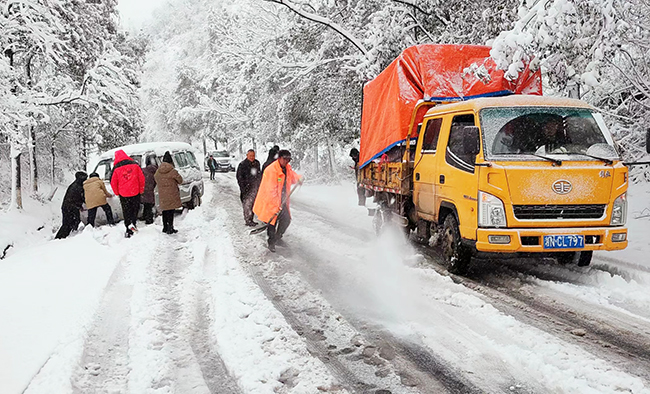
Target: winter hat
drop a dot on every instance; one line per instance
(80, 176)
(167, 158)
(284, 153)
(93, 175)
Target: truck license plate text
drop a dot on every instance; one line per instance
(564, 241)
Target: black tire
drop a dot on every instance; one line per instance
(585, 258)
(195, 201)
(456, 255)
(380, 219)
(565, 258)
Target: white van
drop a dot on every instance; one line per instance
(184, 161)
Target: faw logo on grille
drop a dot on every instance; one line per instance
(562, 187)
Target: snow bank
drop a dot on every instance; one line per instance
(54, 290)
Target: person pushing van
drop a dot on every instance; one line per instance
(127, 182)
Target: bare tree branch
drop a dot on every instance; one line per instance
(324, 21)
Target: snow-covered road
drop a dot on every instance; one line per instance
(211, 310)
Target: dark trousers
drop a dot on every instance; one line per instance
(361, 194)
(212, 174)
(130, 208)
(71, 220)
(92, 213)
(247, 202)
(168, 220)
(147, 212)
(277, 231)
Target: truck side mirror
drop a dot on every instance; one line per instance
(471, 140)
(647, 141)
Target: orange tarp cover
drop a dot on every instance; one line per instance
(432, 73)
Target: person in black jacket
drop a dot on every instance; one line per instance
(148, 198)
(212, 166)
(72, 205)
(273, 156)
(361, 192)
(249, 177)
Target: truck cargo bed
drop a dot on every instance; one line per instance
(387, 177)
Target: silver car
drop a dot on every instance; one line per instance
(184, 160)
(223, 159)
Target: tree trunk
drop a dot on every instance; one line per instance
(205, 148)
(33, 173)
(316, 157)
(84, 151)
(32, 159)
(16, 191)
(329, 155)
(53, 164)
(573, 89)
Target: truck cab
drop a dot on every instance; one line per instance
(518, 174)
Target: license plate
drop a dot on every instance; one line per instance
(564, 241)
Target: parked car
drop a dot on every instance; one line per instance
(223, 158)
(184, 160)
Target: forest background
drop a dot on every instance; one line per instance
(240, 74)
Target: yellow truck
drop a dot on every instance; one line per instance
(508, 173)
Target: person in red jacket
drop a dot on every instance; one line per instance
(127, 181)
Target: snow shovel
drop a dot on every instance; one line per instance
(263, 227)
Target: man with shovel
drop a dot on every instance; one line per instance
(272, 202)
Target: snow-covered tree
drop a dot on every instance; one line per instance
(597, 49)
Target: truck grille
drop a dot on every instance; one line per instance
(561, 212)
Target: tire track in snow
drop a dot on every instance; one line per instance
(413, 365)
(104, 364)
(212, 365)
(627, 348)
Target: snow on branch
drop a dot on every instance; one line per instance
(412, 3)
(325, 21)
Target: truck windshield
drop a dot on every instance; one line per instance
(521, 133)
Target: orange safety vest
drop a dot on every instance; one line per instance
(269, 195)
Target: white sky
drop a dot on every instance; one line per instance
(134, 13)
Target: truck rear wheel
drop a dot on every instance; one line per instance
(381, 218)
(456, 255)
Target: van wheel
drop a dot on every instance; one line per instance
(457, 256)
(585, 258)
(195, 201)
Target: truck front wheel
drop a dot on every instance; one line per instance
(583, 258)
(456, 255)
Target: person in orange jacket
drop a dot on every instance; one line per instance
(272, 201)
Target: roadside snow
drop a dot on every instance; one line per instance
(49, 294)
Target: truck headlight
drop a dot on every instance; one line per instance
(491, 212)
(619, 211)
